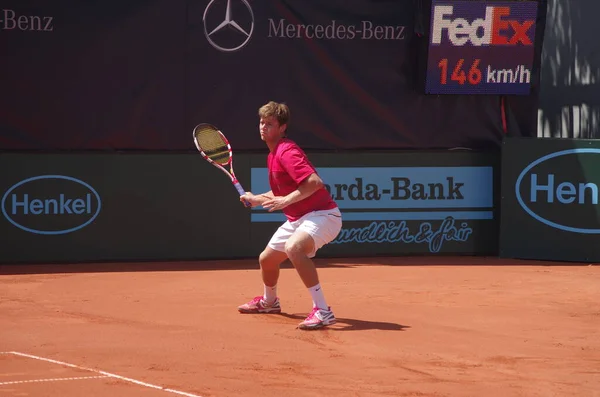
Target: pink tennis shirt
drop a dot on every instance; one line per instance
(288, 167)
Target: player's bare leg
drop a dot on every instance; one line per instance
(298, 248)
(269, 261)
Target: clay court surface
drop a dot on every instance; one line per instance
(406, 327)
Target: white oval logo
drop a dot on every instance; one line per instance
(51, 204)
(576, 193)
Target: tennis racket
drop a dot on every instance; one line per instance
(215, 149)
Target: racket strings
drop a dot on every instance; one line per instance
(213, 145)
(220, 157)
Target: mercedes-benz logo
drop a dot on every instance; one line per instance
(234, 31)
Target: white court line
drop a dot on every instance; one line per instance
(51, 380)
(108, 374)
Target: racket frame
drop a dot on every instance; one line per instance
(230, 173)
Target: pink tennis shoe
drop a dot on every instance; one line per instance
(318, 318)
(259, 305)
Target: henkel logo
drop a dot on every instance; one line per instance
(51, 204)
(496, 28)
(557, 191)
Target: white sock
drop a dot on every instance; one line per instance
(318, 298)
(270, 293)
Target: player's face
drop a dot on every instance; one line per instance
(270, 129)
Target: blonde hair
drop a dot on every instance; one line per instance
(280, 111)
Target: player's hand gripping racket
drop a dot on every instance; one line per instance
(215, 148)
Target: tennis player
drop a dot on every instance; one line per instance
(313, 218)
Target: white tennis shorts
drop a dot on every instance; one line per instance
(323, 226)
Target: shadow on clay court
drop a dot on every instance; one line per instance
(348, 324)
(252, 264)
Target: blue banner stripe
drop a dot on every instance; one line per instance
(390, 216)
(401, 187)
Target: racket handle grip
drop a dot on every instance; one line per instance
(241, 191)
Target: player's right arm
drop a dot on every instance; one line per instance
(259, 199)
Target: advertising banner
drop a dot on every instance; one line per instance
(550, 199)
(118, 207)
(401, 204)
(481, 47)
(140, 75)
(141, 207)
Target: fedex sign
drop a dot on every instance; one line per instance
(498, 27)
(482, 47)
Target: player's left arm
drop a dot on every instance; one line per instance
(307, 187)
